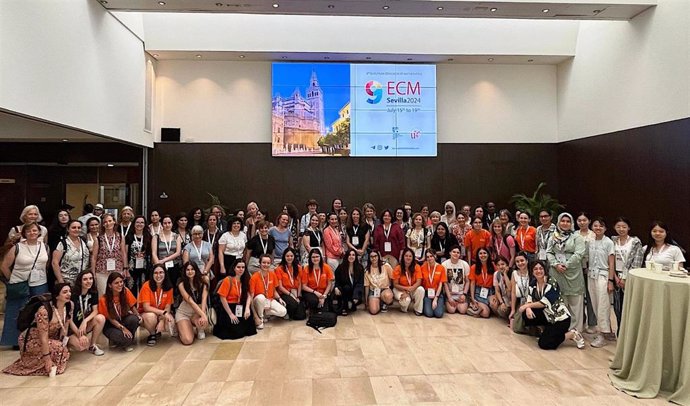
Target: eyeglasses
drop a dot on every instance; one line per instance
(543, 216)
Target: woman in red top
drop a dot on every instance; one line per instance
(526, 236)
(475, 239)
(119, 306)
(389, 240)
(155, 301)
(433, 278)
(502, 244)
(317, 282)
(481, 284)
(290, 285)
(234, 312)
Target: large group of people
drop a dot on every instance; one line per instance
(204, 270)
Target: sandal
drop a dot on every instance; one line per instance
(151, 341)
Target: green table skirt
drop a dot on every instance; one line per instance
(653, 352)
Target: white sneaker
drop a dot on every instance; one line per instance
(579, 340)
(599, 341)
(260, 326)
(96, 351)
(201, 334)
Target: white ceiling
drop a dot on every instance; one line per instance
(555, 9)
(17, 128)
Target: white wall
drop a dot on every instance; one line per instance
(627, 74)
(72, 63)
(222, 101)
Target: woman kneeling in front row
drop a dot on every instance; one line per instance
(433, 279)
(263, 288)
(377, 284)
(155, 301)
(545, 308)
(119, 306)
(234, 315)
(192, 311)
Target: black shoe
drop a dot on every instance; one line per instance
(151, 341)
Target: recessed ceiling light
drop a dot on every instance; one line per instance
(242, 56)
(110, 165)
(276, 5)
(530, 60)
(198, 56)
(491, 59)
(493, 9)
(386, 7)
(439, 8)
(331, 6)
(65, 140)
(161, 3)
(546, 10)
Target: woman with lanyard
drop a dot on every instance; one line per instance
(565, 253)
(501, 301)
(71, 255)
(358, 234)
(508, 226)
(389, 240)
(519, 286)
(119, 306)
(502, 244)
(433, 278)
(263, 290)
(282, 236)
(481, 284)
(441, 241)
(109, 253)
(317, 282)
(260, 244)
(192, 310)
(155, 226)
(312, 239)
(407, 283)
(434, 220)
(459, 229)
(293, 224)
(661, 249)
(475, 239)
(343, 217)
(43, 349)
(212, 235)
(629, 255)
(234, 313)
(544, 232)
(166, 249)
(155, 305)
(349, 283)
(526, 236)
(457, 284)
(583, 222)
(312, 205)
(377, 284)
(139, 252)
(199, 252)
(418, 237)
(544, 307)
(182, 229)
(24, 266)
(289, 285)
(401, 220)
(332, 241)
(126, 216)
(85, 315)
(370, 220)
(231, 245)
(93, 229)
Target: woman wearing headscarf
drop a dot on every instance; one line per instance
(565, 252)
(449, 214)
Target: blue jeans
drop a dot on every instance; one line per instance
(10, 333)
(440, 308)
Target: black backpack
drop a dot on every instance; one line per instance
(25, 320)
(319, 321)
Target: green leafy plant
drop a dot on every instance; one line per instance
(215, 201)
(537, 202)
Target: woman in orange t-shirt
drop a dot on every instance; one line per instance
(119, 306)
(475, 239)
(317, 282)
(155, 301)
(234, 312)
(289, 284)
(526, 236)
(481, 285)
(433, 278)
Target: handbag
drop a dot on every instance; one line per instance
(319, 321)
(518, 323)
(18, 290)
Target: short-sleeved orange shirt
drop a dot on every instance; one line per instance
(289, 281)
(311, 278)
(103, 306)
(476, 240)
(231, 290)
(432, 278)
(527, 239)
(260, 286)
(483, 280)
(404, 279)
(147, 296)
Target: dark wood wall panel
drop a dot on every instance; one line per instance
(641, 173)
(239, 173)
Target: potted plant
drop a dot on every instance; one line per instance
(537, 202)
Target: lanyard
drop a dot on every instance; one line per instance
(442, 245)
(522, 283)
(109, 245)
(317, 279)
(63, 320)
(140, 243)
(239, 288)
(168, 244)
(543, 236)
(198, 250)
(266, 283)
(349, 273)
(523, 233)
(292, 279)
(317, 236)
(84, 303)
(409, 280)
(622, 252)
(541, 292)
(499, 247)
(209, 239)
(122, 229)
(355, 229)
(659, 252)
(431, 274)
(159, 298)
(484, 275)
(264, 246)
(117, 310)
(387, 232)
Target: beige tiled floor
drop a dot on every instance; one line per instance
(391, 358)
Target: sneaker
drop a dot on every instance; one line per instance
(599, 341)
(129, 349)
(260, 326)
(151, 341)
(579, 340)
(384, 307)
(201, 334)
(96, 351)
